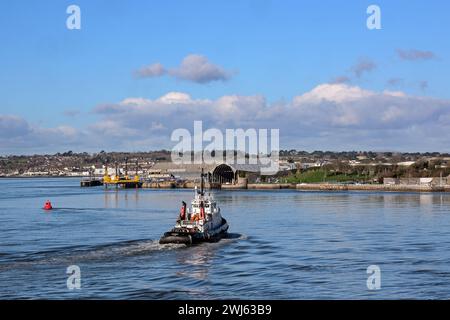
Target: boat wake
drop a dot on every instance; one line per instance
(235, 236)
(85, 254)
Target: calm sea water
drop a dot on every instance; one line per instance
(283, 244)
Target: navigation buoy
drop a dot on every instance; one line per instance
(48, 205)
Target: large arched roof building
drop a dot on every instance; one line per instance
(217, 173)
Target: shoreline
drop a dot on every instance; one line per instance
(41, 177)
(278, 186)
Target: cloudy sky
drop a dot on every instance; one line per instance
(137, 70)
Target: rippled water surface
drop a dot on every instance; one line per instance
(283, 244)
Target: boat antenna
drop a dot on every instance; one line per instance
(202, 183)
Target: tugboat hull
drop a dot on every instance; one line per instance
(175, 238)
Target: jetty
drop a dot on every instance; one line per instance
(91, 182)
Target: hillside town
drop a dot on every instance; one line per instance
(294, 166)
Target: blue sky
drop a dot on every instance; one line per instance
(52, 77)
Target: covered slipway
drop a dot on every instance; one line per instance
(227, 173)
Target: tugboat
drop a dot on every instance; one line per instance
(200, 223)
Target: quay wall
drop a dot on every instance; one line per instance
(305, 187)
(373, 187)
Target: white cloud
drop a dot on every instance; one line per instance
(356, 108)
(17, 135)
(194, 67)
(330, 116)
(198, 69)
(13, 126)
(153, 70)
(339, 93)
(356, 116)
(175, 97)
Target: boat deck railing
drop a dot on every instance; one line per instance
(188, 223)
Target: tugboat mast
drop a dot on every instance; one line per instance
(202, 184)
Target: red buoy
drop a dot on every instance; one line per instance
(48, 205)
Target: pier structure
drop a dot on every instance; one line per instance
(91, 181)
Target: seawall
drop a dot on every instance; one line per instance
(373, 187)
(302, 186)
